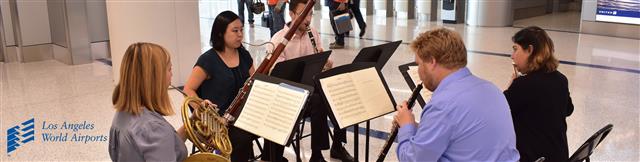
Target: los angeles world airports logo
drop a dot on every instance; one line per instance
(20, 134)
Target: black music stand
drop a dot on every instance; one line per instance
(379, 55)
(301, 70)
(404, 69)
(346, 69)
(272, 79)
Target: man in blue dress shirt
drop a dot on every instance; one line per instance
(467, 119)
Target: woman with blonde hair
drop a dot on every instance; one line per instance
(539, 98)
(138, 131)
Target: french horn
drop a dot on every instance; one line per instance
(206, 130)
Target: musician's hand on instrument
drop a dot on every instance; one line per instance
(404, 115)
(225, 122)
(207, 104)
(328, 65)
(515, 71)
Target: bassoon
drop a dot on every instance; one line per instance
(235, 107)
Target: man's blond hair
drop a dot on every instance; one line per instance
(443, 45)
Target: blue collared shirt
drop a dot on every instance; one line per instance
(467, 119)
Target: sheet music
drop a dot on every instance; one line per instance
(357, 96)
(415, 77)
(271, 110)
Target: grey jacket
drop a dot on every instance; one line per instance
(146, 137)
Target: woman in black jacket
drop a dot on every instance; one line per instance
(538, 97)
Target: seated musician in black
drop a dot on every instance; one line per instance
(539, 100)
(301, 45)
(220, 72)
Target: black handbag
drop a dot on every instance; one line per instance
(257, 7)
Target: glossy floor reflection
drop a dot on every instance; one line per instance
(560, 21)
(603, 73)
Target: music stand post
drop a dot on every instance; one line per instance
(301, 70)
(380, 55)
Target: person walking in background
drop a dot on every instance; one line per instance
(338, 7)
(241, 4)
(276, 11)
(354, 5)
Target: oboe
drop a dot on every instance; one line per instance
(394, 131)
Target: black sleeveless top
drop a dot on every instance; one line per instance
(223, 82)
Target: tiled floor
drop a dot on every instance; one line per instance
(603, 72)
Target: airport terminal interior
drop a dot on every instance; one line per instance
(60, 62)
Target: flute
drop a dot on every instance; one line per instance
(515, 69)
(394, 131)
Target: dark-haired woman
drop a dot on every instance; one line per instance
(539, 99)
(220, 72)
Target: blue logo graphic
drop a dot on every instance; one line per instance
(20, 135)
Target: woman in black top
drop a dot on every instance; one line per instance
(220, 72)
(539, 98)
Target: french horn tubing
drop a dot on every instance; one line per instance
(205, 129)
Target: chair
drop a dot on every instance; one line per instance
(584, 151)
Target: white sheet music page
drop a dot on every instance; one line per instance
(271, 110)
(357, 96)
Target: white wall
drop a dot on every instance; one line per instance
(423, 6)
(589, 10)
(401, 5)
(97, 13)
(589, 24)
(34, 22)
(8, 24)
(172, 24)
(380, 4)
(58, 23)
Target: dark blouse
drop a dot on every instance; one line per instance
(539, 104)
(223, 82)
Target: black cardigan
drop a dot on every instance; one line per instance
(539, 104)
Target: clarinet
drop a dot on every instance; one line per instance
(394, 131)
(313, 40)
